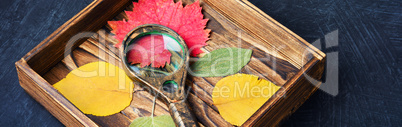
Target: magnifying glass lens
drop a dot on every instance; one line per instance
(158, 57)
(154, 54)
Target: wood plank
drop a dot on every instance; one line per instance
(205, 114)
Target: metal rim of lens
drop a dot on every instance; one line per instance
(136, 77)
(156, 29)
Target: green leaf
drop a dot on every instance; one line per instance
(221, 62)
(157, 121)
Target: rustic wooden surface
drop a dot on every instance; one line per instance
(289, 57)
(278, 55)
(348, 108)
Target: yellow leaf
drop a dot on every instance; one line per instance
(97, 88)
(239, 96)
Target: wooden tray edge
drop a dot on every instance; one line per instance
(313, 49)
(49, 97)
(285, 106)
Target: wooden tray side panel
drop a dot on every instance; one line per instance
(56, 104)
(297, 91)
(273, 36)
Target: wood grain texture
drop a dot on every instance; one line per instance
(279, 56)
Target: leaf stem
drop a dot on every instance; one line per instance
(153, 107)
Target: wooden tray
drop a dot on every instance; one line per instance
(279, 56)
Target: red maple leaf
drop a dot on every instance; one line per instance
(149, 50)
(187, 21)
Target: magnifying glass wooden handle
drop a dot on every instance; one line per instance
(182, 114)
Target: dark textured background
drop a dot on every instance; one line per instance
(370, 92)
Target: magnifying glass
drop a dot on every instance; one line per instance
(158, 57)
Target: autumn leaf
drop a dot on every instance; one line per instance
(187, 21)
(221, 62)
(239, 96)
(158, 121)
(149, 50)
(97, 88)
